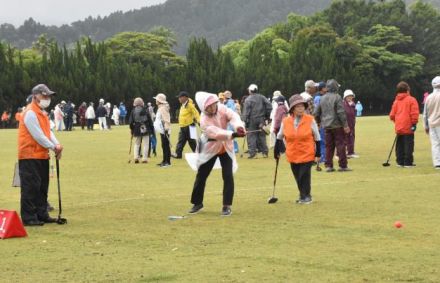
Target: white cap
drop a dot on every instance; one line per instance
(276, 93)
(101, 100)
(63, 102)
(436, 82)
(161, 98)
(310, 83)
(348, 92)
(253, 88)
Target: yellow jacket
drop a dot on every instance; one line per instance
(188, 114)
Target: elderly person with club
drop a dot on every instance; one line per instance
(301, 135)
(162, 125)
(216, 142)
(141, 126)
(431, 115)
(35, 139)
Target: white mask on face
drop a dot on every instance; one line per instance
(44, 103)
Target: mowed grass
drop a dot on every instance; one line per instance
(118, 229)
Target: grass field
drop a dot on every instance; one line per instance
(118, 229)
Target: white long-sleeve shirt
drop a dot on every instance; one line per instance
(34, 128)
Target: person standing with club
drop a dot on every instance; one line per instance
(35, 139)
(216, 142)
(301, 135)
(188, 116)
(162, 125)
(405, 115)
(431, 115)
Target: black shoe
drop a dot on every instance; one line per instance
(252, 156)
(50, 220)
(226, 211)
(196, 208)
(344, 169)
(33, 223)
(306, 200)
(164, 165)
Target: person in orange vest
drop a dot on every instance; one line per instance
(35, 139)
(5, 119)
(18, 116)
(302, 145)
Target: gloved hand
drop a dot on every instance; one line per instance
(414, 127)
(239, 133)
(278, 149)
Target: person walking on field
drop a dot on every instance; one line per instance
(115, 115)
(59, 116)
(188, 116)
(301, 134)
(431, 115)
(141, 126)
(322, 90)
(330, 114)
(216, 142)
(82, 115)
(101, 113)
(405, 115)
(256, 113)
(35, 139)
(162, 125)
(359, 109)
(122, 113)
(350, 112)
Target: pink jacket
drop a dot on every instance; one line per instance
(214, 127)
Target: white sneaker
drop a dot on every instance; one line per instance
(353, 156)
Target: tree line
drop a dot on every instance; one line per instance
(367, 46)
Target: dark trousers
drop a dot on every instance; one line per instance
(335, 139)
(166, 151)
(184, 136)
(82, 121)
(203, 173)
(349, 141)
(68, 121)
(405, 149)
(257, 143)
(34, 179)
(303, 175)
(90, 124)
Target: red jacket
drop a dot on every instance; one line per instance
(404, 113)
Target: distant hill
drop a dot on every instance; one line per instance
(219, 21)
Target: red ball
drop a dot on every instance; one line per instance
(397, 224)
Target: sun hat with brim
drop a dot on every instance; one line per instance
(161, 98)
(295, 100)
(42, 89)
(348, 92)
(436, 82)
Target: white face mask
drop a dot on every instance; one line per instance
(44, 103)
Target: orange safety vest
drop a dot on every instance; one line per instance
(300, 143)
(28, 148)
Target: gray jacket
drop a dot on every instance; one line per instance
(330, 113)
(256, 110)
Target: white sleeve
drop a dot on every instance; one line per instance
(34, 128)
(315, 131)
(280, 135)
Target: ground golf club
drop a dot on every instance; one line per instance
(387, 163)
(60, 220)
(274, 199)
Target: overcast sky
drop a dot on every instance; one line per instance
(57, 12)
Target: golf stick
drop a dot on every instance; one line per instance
(129, 151)
(60, 220)
(273, 199)
(387, 163)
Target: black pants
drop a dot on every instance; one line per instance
(166, 151)
(302, 173)
(34, 178)
(90, 124)
(405, 149)
(184, 136)
(202, 176)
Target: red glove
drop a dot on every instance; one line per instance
(239, 133)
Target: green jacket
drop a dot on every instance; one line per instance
(188, 114)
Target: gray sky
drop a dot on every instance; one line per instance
(57, 12)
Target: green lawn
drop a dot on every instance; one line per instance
(118, 228)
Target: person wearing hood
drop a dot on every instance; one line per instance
(188, 116)
(350, 112)
(330, 114)
(141, 126)
(216, 142)
(256, 114)
(301, 135)
(405, 115)
(35, 139)
(162, 125)
(359, 109)
(431, 116)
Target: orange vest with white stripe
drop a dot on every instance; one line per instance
(300, 143)
(28, 148)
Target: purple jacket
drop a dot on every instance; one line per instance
(350, 111)
(280, 113)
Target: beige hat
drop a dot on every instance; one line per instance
(138, 102)
(295, 100)
(161, 98)
(276, 93)
(228, 94)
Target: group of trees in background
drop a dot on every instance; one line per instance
(367, 46)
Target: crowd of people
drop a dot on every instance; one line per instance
(308, 127)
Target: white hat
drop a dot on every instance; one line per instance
(63, 102)
(276, 93)
(253, 88)
(348, 92)
(310, 83)
(161, 98)
(436, 82)
(101, 100)
(228, 94)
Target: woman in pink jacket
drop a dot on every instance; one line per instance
(216, 142)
